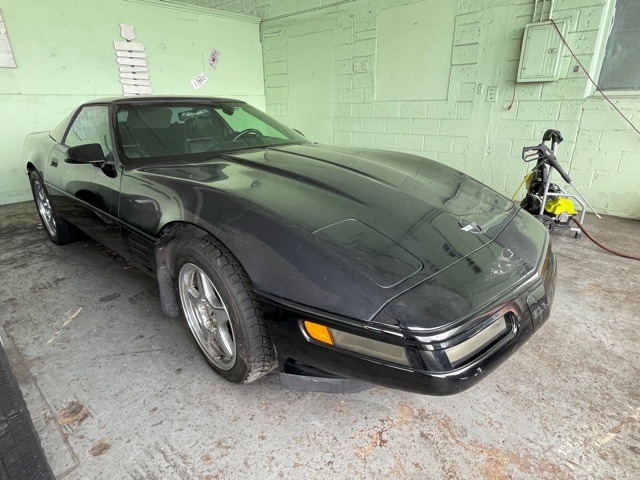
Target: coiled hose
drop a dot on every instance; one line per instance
(604, 247)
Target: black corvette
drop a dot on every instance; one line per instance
(325, 262)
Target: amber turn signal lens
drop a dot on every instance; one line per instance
(318, 332)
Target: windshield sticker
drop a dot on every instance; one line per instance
(468, 226)
(201, 113)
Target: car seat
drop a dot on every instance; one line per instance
(203, 134)
(148, 128)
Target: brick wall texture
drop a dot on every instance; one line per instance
(482, 138)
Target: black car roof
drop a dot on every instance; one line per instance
(159, 99)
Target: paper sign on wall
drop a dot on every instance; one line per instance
(199, 81)
(6, 54)
(213, 58)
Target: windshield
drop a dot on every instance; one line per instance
(193, 128)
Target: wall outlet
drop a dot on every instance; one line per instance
(357, 66)
(492, 94)
(365, 65)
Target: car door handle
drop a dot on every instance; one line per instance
(54, 162)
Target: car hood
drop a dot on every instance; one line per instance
(384, 219)
(390, 215)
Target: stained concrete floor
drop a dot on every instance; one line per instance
(116, 389)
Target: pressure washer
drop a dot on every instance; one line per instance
(549, 202)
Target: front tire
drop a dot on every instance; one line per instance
(58, 229)
(222, 312)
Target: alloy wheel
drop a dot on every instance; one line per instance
(45, 209)
(207, 316)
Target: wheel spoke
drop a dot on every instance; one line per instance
(213, 343)
(225, 341)
(222, 318)
(208, 291)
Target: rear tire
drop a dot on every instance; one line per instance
(58, 229)
(221, 309)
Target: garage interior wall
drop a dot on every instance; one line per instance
(65, 56)
(465, 130)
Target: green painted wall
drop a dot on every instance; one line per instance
(64, 53)
(466, 131)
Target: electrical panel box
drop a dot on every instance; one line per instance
(541, 54)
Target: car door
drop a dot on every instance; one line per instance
(87, 194)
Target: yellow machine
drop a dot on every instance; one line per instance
(560, 207)
(548, 202)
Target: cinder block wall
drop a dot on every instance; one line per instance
(466, 131)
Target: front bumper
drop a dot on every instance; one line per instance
(527, 311)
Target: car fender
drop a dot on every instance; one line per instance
(36, 151)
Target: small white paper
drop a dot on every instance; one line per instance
(199, 81)
(213, 58)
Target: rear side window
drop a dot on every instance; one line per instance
(91, 126)
(58, 133)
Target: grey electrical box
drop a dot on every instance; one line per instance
(541, 53)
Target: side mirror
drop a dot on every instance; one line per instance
(89, 153)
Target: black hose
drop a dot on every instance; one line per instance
(590, 237)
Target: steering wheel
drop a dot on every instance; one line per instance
(248, 131)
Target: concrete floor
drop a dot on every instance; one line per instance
(118, 390)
